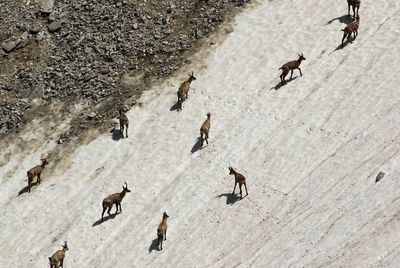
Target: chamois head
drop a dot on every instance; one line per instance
(231, 171)
(65, 247)
(165, 215)
(208, 115)
(121, 110)
(125, 188)
(301, 57)
(44, 161)
(191, 77)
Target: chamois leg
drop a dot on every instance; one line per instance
(109, 210)
(121, 129)
(234, 188)
(29, 184)
(62, 263)
(354, 11)
(206, 134)
(349, 38)
(38, 178)
(116, 210)
(301, 74)
(102, 214)
(126, 130)
(283, 75)
(240, 188)
(246, 189)
(291, 73)
(165, 235)
(160, 240)
(348, 9)
(344, 36)
(179, 104)
(355, 34)
(120, 208)
(177, 94)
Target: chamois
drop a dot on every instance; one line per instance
(57, 259)
(205, 128)
(116, 199)
(290, 66)
(36, 171)
(123, 121)
(162, 230)
(355, 4)
(183, 90)
(239, 178)
(350, 29)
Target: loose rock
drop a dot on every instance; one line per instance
(11, 43)
(380, 175)
(34, 28)
(47, 6)
(54, 26)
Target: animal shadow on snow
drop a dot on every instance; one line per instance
(197, 146)
(106, 218)
(154, 245)
(280, 84)
(230, 198)
(345, 43)
(26, 188)
(176, 107)
(116, 134)
(346, 19)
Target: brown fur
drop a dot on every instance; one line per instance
(355, 4)
(183, 90)
(36, 172)
(239, 179)
(205, 128)
(162, 230)
(123, 121)
(116, 199)
(290, 66)
(57, 259)
(352, 28)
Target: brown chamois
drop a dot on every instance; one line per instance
(36, 171)
(123, 121)
(205, 128)
(290, 66)
(116, 199)
(57, 259)
(239, 178)
(162, 230)
(350, 29)
(355, 4)
(183, 90)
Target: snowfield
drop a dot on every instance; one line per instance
(310, 151)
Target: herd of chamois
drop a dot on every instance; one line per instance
(57, 259)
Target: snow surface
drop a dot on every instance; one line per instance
(310, 151)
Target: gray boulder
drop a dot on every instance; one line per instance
(54, 26)
(47, 6)
(11, 43)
